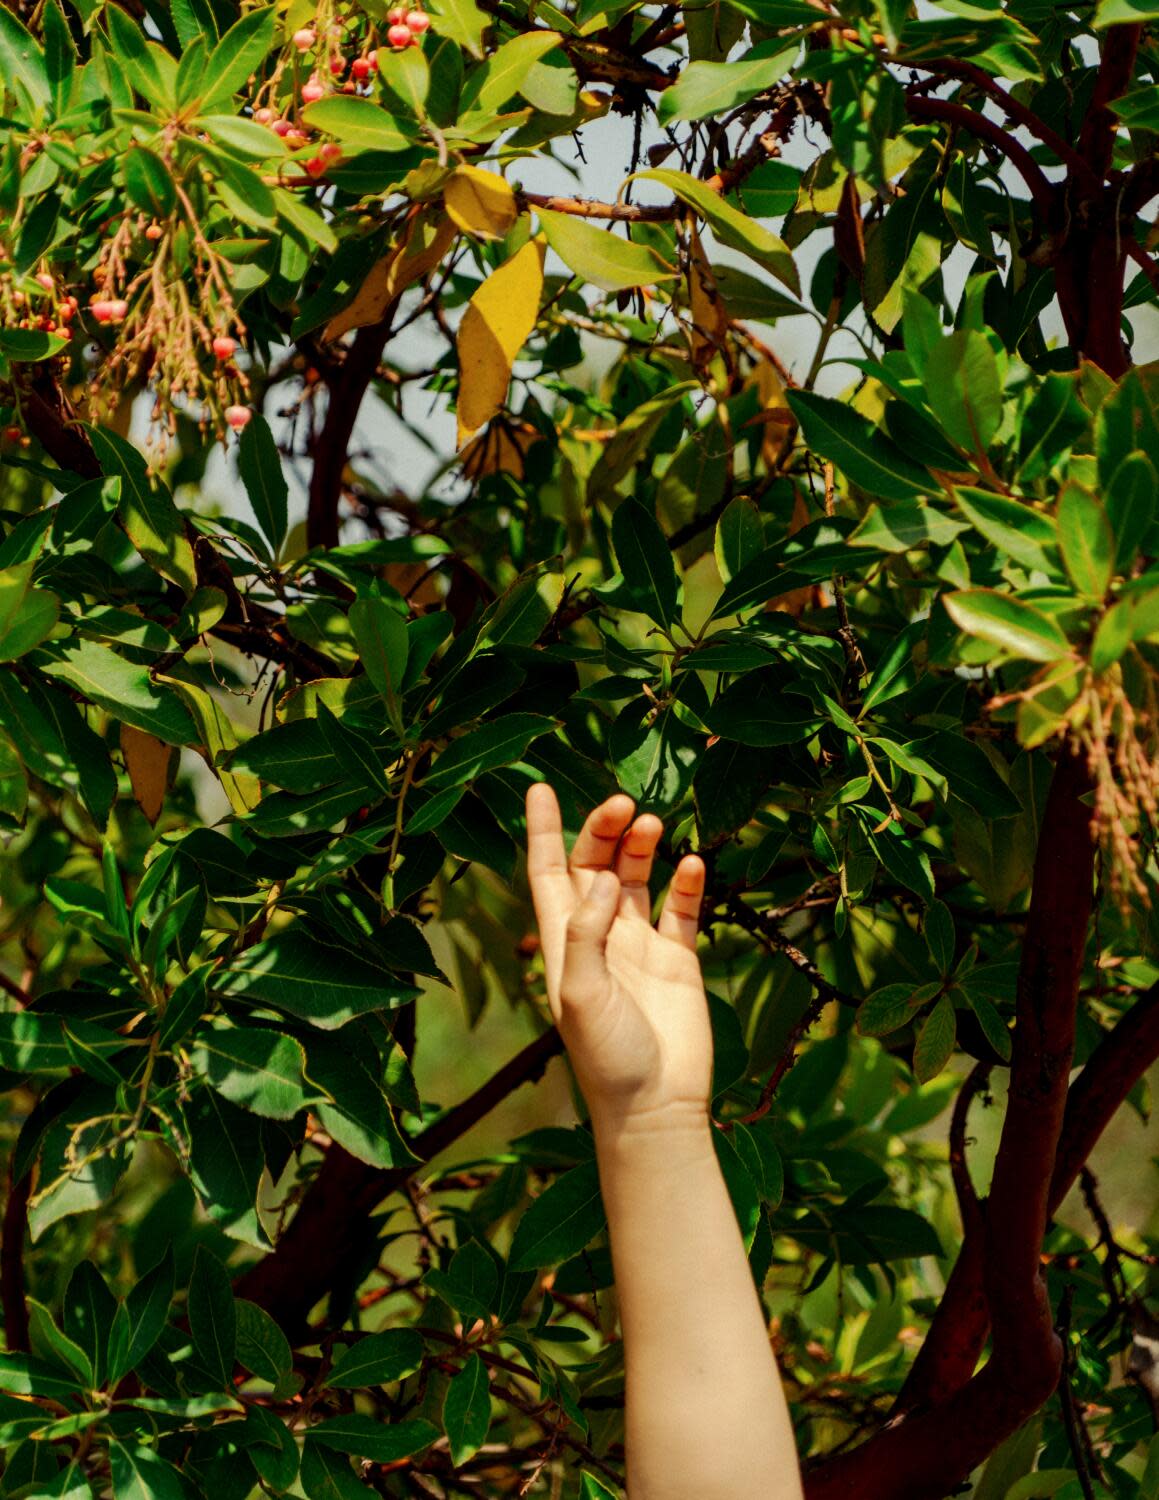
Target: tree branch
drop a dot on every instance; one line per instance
(12, 1261)
(924, 1453)
(996, 135)
(1100, 125)
(326, 1244)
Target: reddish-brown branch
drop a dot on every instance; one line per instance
(998, 136)
(968, 1206)
(926, 1452)
(1014, 110)
(1116, 69)
(329, 1237)
(590, 208)
(12, 1262)
(1145, 263)
(347, 390)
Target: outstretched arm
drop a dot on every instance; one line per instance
(705, 1414)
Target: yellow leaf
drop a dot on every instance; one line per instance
(147, 761)
(424, 243)
(481, 203)
(217, 735)
(496, 323)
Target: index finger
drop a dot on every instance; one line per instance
(546, 854)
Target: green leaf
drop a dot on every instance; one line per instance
(359, 124)
(153, 523)
(996, 1031)
(758, 710)
(903, 525)
(859, 450)
(601, 256)
(460, 21)
(1020, 531)
(212, 1317)
(140, 1473)
(470, 1284)
(262, 1347)
(357, 1112)
(488, 88)
(381, 635)
(258, 1069)
(328, 1476)
(377, 1359)
(1008, 622)
(126, 691)
(146, 1311)
(1125, 12)
(226, 1162)
(646, 561)
(148, 183)
(319, 983)
(893, 1006)
(51, 1343)
(1086, 540)
(561, 1221)
(89, 1310)
(592, 1488)
(367, 1437)
(709, 88)
(467, 1410)
(260, 466)
(731, 227)
(241, 51)
(21, 60)
(963, 387)
(941, 939)
(500, 742)
(1130, 499)
(935, 1040)
(740, 537)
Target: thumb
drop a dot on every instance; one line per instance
(585, 971)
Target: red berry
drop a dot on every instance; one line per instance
(65, 313)
(281, 127)
(313, 89)
(238, 416)
(315, 166)
(349, 87)
(13, 434)
(400, 36)
(397, 16)
(337, 66)
(330, 151)
(360, 67)
(305, 38)
(417, 22)
(223, 346)
(109, 309)
(154, 232)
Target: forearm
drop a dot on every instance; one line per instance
(705, 1414)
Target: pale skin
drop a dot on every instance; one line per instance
(705, 1413)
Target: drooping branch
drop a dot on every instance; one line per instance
(327, 1242)
(926, 1452)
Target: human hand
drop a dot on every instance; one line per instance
(628, 997)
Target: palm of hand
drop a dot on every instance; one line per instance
(629, 997)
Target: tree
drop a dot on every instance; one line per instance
(886, 657)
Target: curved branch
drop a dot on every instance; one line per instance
(968, 1205)
(12, 1262)
(1041, 191)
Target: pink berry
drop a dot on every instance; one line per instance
(223, 346)
(109, 309)
(281, 127)
(397, 16)
(238, 416)
(45, 280)
(330, 151)
(417, 22)
(360, 67)
(264, 116)
(400, 36)
(305, 38)
(337, 66)
(313, 90)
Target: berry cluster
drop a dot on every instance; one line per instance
(406, 26)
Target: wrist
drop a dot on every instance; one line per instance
(663, 1127)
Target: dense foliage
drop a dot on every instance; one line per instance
(883, 652)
